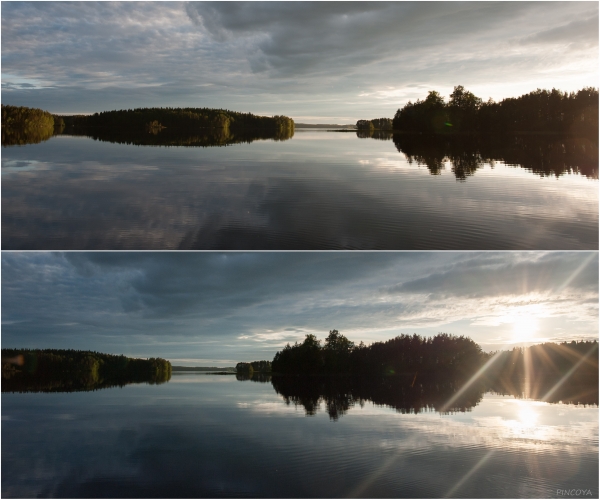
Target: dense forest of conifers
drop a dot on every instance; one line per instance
(188, 119)
(146, 126)
(443, 356)
(541, 111)
(413, 374)
(64, 370)
(253, 367)
(548, 360)
(375, 124)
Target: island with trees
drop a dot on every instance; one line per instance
(146, 126)
(444, 373)
(548, 132)
(540, 111)
(179, 126)
(446, 356)
(69, 370)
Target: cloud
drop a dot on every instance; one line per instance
(579, 32)
(261, 56)
(546, 273)
(332, 39)
(238, 305)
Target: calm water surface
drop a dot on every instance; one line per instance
(213, 436)
(318, 190)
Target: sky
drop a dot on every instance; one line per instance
(319, 62)
(217, 309)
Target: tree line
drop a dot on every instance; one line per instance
(446, 356)
(540, 111)
(253, 367)
(548, 360)
(375, 124)
(443, 354)
(152, 120)
(202, 127)
(22, 125)
(63, 370)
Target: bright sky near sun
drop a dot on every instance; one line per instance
(221, 308)
(316, 62)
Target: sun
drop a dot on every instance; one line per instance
(524, 328)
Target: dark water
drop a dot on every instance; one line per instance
(318, 190)
(214, 436)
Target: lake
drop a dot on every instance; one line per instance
(214, 436)
(318, 190)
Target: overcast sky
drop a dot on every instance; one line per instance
(316, 62)
(221, 308)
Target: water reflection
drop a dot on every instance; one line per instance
(382, 135)
(407, 395)
(22, 136)
(217, 437)
(200, 137)
(544, 155)
(317, 191)
(261, 378)
(151, 137)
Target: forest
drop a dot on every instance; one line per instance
(375, 124)
(154, 120)
(540, 111)
(544, 364)
(443, 356)
(68, 370)
(253, 367)
(22, 125)
(412, 374)
(197, 127)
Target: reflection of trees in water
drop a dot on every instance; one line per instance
(61, 370)
(550, 390)
(22, 125)
(566, 372)
(22, 136)
(151, 137)
(262, 378)
(199, 137)
(382, 135)
(545, 155)
(405, 394)
(409, 395)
